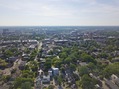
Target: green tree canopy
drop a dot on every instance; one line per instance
(26, 85)
(19, 81)
(83, 70)
(87, 58)
(111, 69)
(87, 82)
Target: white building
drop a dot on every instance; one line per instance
(55, 71)
(50, 73)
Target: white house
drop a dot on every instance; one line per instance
(50, 72)
(55, 71)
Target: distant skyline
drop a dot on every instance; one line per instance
(59, 12)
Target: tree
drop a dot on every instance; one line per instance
(87, 58)
(63, 55)
(111, 69)
(72, 67)
(47, 64)
(74, 56)
(13, 49)
(27, 50)
(91, 66)
(62, 68)
(50, 52)
(8, 53)
(26, 85)
(51, 87)
(59, 80)
(83, 70)
(3, 64)
(27, 74)
(56, 62)
(33, 65)
(5, 78)
(67, 60)
(19, 81)
(103, 55)
(87, 82)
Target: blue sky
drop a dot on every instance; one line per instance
(59, 12)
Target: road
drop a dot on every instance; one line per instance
(16, 64)
(39, 47)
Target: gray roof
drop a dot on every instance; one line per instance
(111, 85)
(117, 82)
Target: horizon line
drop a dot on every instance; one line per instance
(61, 26)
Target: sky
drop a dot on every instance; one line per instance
(59, 12)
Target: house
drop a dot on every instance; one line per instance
(11, 59)
(25, 56)
(117, 82)
(38, 83)
(33, 42)
(86, 40)
(110, 84)
(50, 73)
(22, 65)
(73, 86)
(115, 60)
(99, 38)
(60, 42)
(32, 47)
(1, 55)
(115, 79)
(60, 87)
(42, 60)
(55, 71)
(83, 64)
(40, 73)
(46, 79)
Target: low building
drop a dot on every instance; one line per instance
(55, 71)
(25, 57)
(40, 73)
(12, 59)
(32, 47)
(46, 79)
(83, 64)
(38, 83)
(115, 60)
(50, 73)
(22, 65)
(117, 82)
(110, 84)
(115, 79)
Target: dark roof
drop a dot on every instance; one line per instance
(111, 85)
(117, 82)
(23, 63)
(12, 59)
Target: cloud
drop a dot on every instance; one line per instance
(61, 11)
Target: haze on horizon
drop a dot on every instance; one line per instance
(59, 12)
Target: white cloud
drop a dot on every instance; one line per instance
(60, 11)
